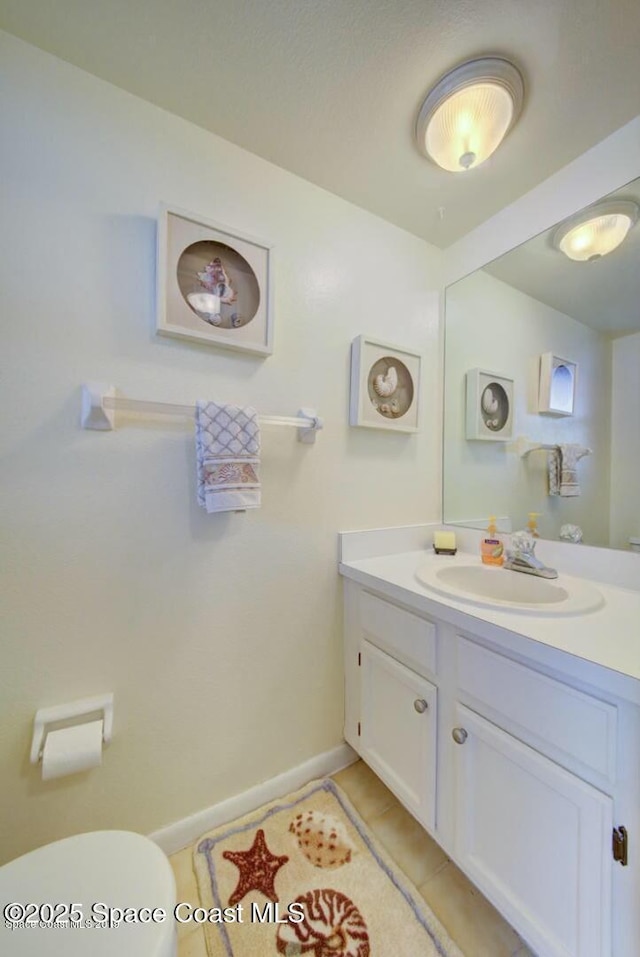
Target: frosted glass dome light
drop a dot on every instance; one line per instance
(596, 232)
(469, 112)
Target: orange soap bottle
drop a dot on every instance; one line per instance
(532, 524)
(491, 545)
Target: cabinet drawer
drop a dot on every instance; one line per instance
(402, 634)
(555, 718)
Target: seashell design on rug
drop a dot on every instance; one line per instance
(322, 839)
(332, 927)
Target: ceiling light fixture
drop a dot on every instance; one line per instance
(469, 112)
(597, 231)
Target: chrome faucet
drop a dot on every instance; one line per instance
(521, 558)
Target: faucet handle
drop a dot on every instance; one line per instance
(523, 542)
(521, 556)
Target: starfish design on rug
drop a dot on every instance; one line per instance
(258, 868)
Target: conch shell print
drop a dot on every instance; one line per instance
(214, 278)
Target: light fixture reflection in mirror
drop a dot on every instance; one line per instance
(596, 232)
(523, 305)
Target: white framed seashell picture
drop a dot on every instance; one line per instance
(489, 406)
(385, 386)
(214, 283)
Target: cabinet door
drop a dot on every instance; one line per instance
(535, 839)
(398, 730)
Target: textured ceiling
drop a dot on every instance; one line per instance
(330, 89)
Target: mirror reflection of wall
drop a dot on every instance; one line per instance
(532, 302)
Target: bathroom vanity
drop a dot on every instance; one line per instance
(512, 734)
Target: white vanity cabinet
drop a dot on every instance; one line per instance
(398, 730)
(394, 661)
(515, 767)
(535, 838)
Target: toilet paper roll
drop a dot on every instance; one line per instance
(72, 749)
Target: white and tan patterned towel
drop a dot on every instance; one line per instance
(228, 450)
(563, 469)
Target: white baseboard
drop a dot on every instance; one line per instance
(182, 833)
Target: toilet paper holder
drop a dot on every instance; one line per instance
(46, 718)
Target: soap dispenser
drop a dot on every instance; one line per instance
(532, 524)
(491, 545)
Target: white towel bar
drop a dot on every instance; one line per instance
(99, 402)
(524, 447)
(537, 448)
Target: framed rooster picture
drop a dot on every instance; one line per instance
(385, 386)
(215, 283)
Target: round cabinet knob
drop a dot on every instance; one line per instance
(420, 705)
(459, 735)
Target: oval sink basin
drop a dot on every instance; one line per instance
(513, 591)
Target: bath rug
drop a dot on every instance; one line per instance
(304, 876)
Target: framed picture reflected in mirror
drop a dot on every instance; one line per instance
(489, 406)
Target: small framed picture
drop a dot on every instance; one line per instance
(557, 390)
(385, 386)
(489, 406)
(214, 284)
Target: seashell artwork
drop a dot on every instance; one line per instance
(390, 387)
(489, 406)
(214, 279)
(494, 405)
(322, 839)
(386, 385)
(208, 269)
(332, 927)
(489, 401)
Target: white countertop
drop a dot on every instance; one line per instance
(608, 637)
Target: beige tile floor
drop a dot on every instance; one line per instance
(469, 918)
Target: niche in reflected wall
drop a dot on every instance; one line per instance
(557, 385)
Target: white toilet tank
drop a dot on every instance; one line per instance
(97, 872)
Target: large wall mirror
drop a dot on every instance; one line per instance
(528, 319)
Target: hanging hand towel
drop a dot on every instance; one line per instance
(563, 469)
(228, 450)
(553, 468)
